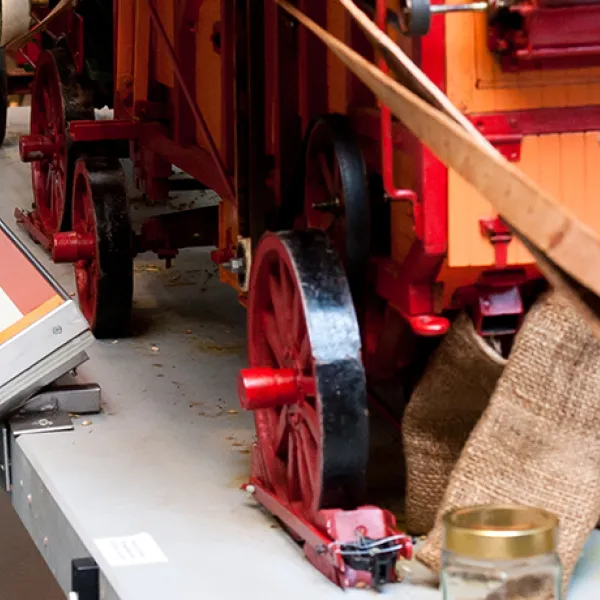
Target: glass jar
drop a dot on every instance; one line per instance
(500, 553)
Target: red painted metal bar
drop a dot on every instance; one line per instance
(33, 228)
(309, 534)
(98, 131)
(432, 186)
(387, 143)
(539, 121)
(227, 192)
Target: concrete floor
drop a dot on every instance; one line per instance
(170, 450)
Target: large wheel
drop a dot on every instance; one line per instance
(336, 195)
(58, 97)
(104, 271)
(3, 96)
(313, 439)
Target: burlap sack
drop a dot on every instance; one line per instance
(538, 442)
(443, 409)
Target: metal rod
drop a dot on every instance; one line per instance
(451, 8)
(214, 152)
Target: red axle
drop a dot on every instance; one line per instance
(69, 247)
(36, 147)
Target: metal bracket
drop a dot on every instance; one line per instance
(502, 132)
(50, 410)
(80, 399)
(500, 236)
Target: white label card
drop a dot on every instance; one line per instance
(131, 550)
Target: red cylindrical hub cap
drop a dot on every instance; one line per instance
(69, 247)
(264, 387)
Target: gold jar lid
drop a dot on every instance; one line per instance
(500, 532)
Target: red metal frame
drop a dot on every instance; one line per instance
(323, 542)
(552, 34)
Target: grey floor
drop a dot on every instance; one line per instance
(169, 452)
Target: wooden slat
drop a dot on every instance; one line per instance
(141, 54)
(592, 179)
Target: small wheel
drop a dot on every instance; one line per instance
(57, 99)
(3, 96)
(104, 273)
(301, 320)
(336, 195)
(416, 15)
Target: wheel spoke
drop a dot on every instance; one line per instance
(279, 306)
(282, 431)
(287, 291)
(304, 354)
(326, 173)
(292, 469)
(311, 419)
(304, 473)
(297, 314)
(271, 333)
(308, 450)
(337, 182)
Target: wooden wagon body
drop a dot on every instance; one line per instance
(348, 241)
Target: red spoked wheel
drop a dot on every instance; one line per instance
(101, 245)
(306, 382)
(58, 97)
(336, 194)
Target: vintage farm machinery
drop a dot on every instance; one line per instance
(348, 241)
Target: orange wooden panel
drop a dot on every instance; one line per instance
(592, 179)
(141, 55)
(163, 69)
(208, 70)
(125, 10)
(475, 82)
(572, 164)
(460, 60)
(565, 165)
(467, 207)
(530, 151)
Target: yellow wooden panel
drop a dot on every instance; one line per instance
(592, 179)
(460, 60)
(466, 207)
(475, 82)
(566, 166)
(572, 167)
